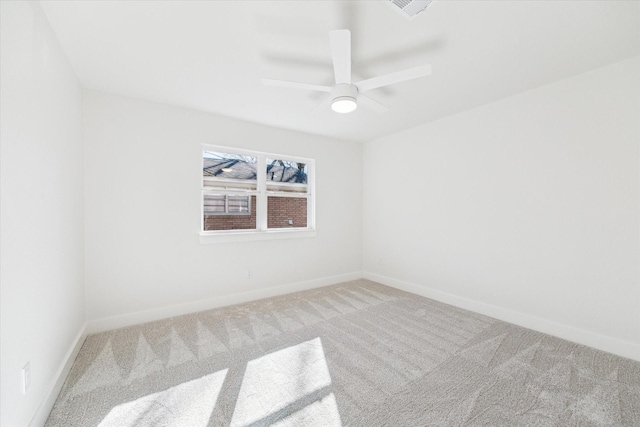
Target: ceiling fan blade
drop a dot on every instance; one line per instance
(296, 85)
(371, 104)
(393, 78)
(341, 53)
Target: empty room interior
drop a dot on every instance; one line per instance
(320, 213)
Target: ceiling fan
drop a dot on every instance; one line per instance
(345, 95)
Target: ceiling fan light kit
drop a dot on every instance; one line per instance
(344, 104)
(345, 94)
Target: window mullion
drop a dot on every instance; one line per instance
(261, 197)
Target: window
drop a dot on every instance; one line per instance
(255, 193)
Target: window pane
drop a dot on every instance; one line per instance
(229, 171)
(225, 204)
(239, 213)
(214, 204)
(238, 204)
(286, 212)
(285, 175)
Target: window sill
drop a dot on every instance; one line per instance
(246, 236)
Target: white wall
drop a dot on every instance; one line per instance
(526, 209)
(142, 207)
(41, 210)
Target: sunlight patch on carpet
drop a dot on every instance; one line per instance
(187, 404)
(280, 381)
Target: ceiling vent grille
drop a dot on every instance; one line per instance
(410, 8)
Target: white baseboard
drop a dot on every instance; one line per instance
(570, 333)
(115, 322)
(42, 413)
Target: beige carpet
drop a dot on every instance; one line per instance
(354, 354)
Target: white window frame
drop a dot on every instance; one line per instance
(261, 232)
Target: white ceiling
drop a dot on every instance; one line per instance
(211, 55)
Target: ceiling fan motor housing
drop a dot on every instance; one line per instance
(344, 91)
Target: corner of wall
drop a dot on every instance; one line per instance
(42, 413)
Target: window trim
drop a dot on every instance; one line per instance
(261, 232)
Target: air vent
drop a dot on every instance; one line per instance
(410, 8)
